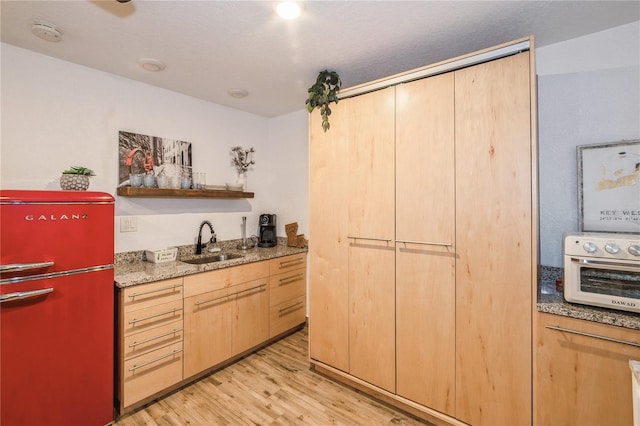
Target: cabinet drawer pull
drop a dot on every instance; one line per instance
(228, 295)
(291, 262)
(160, 358)
(249, 289)
(371, 239)
(287, 309)
(173, 311)
(173, 287)
(581, 333)
(426, 243)
(289, 280)
(211, 300)
(134, 344)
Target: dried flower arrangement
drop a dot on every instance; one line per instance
(241, 158)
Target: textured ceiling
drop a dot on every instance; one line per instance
(210, 47)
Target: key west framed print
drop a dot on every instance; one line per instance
(609, 187)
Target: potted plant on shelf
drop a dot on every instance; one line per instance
(322, 93)
(76, 178)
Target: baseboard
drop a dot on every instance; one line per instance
(386, 397)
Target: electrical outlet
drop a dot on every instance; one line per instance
(129, 224)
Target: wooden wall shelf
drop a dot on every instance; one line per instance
(129, 191)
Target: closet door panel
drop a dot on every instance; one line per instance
(329, 247)
(425, 265)
(371, 232)
(493, 242)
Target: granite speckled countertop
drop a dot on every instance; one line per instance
(131, 268)
(551, 301)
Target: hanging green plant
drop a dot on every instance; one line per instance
(322, 93)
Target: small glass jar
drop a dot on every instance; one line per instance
(149, 181)
(185, 183)
(135, 180)
(163, 181)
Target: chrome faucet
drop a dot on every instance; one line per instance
(199, 245)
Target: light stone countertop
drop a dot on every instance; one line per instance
(552, 302)
(132, 269)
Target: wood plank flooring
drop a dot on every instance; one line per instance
(273, 386)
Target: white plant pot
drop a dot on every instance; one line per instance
(74, 182)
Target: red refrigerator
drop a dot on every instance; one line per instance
(56, 308)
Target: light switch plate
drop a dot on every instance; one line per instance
(128, 224)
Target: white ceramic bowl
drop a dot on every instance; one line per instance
(234, 187)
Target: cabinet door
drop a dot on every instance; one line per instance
(251, 316)
(582, 380)
(329, 252)
(207, 330)
(493, 166)
(425, 252)
(371, 233)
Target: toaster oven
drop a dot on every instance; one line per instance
(603, 270)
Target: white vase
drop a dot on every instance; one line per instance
(242, 180)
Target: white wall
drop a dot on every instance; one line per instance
(56, 114)
(588, 92)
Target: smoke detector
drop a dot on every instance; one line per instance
(46, 32)
(238, 93)
(151, 64)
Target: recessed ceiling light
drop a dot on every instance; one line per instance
(152, 65)
(46, 31)
(238, 93)
(288, 10)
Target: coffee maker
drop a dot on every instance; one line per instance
(267, 231)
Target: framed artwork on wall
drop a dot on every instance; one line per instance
(609, 187)
(142, 155)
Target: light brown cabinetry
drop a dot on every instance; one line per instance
(494, 247)
(171, 331)
(150, 339)
(353, 220)
(226, 313)
(582, 379)
(439, 267)
(425, 236)
(208, 327)
(329, 250)
(371, 233)
(287, 293)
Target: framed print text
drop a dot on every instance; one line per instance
(609, 187)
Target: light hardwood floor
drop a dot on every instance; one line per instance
(272, 386)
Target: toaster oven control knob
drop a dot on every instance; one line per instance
(590, 247)
(612, 248)
(634, 249)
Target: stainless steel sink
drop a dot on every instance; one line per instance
(211, 259)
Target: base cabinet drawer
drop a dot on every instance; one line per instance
(280, 265)
(287, 286)
(287, 315)
(152, 294)
(154, 316)
(150, 340)
(152, 372)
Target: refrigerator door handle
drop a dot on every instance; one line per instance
(9, 297)
(19, 267)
